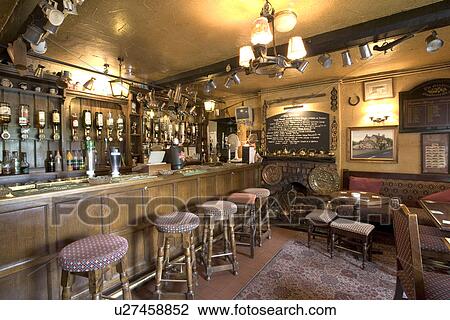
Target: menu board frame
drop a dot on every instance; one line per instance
(436, 149)
(426, 107)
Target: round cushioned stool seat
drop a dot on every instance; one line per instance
(259, 192)
(177, 222)
(322, 216)
(352, 226)
(92, 253)
(242, 198)
(218, 208)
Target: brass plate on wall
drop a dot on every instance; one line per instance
(272, 174)
(323, 180)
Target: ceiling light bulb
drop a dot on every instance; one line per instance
(210, 105)
(245, 56)
(285, 20)
(261, 33)
(296, 48)
(364, 51)
(325, 60)
(302, 66)
(40, 48)
(346, 58)
(55, 17)
(434, 43)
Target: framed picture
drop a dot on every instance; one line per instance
(372, 144)
(378, 89)
(435, 152)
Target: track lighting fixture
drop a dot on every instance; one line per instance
(302, 65)
(210, 86)
(234, 78)
(434, 43)
(364, 51)
(325, 60)
(346, 58)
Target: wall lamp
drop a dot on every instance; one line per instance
(379, 119)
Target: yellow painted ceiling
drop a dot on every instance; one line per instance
(160, 38)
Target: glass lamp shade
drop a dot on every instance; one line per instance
(261, 33)
(296, 48)
(210, 105)
(285, 20)
(245, 56)
(119, 88)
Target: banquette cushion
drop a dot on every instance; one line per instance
(443, 196)
(365, 184)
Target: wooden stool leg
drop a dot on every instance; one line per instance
(159, 265)
(233, 245)
(188, 259)
(226, 241)
(364, 257)
(266, 208)
(333, 239)
(259, 222)
(66, 283)
(194, 258)
(95, 284)
(252, 231)
(121, 268)
(210, 249)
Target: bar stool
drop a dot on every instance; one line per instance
(169, 226)
(88, 258)
(221, 211)
(262, 213)
(246, 203)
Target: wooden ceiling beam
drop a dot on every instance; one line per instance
(425, 18)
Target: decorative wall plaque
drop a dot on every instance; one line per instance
(426, 108)
(334, 135)
(435, 152)
(272, 174)
(323, 180)
(334, 99)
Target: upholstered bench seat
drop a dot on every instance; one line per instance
(92, 253)
(219, 209)
(322, 216)
(433, 231)
(259, 192)
(177, 222)
(436, 286)
(242, 198)
(423, 217)
(352, 226)
(433, 244)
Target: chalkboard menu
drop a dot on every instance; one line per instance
(298, 130)
(426, 107)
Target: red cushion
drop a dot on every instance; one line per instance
(365, 184)
(443, 196)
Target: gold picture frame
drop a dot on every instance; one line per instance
(373, 144)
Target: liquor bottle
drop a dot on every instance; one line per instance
(15, 162)
(69, 161)
(80, 160)
(50, 162)
(24, 121)
(203, 154)
(5, 118)
(120, 127)
(7, 170)
(75, 124)
(24, 165)
(109, 127)
(42, 121)
(99, 124)
(58, 162)
(75, 161)
(87, 123)
(56, 122)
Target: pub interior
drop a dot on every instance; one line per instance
(219, 150)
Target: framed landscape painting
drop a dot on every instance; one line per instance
(372, 144)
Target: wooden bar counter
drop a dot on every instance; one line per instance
(34, 228)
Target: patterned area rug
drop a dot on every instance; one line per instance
(297, 272)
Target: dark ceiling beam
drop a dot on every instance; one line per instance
(425, 18)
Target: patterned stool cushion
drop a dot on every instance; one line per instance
(436, 286)
(434, 244)
(433, 231)
(177, 222)
(352, 226)
(323, 216)
(259, 192)
(92, 253)
(242, 198)
(219, 209)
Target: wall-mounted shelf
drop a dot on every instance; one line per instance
(31, 92)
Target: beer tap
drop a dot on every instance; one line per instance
(5, 118)
(109, 127)
(87, 122)
(99, 124)
(42, 122)
(75, 125)
(24, 121)
(56, 122)
(120, 127)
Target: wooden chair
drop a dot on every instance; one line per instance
(411, 279)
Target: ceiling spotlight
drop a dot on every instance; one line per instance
(434, 43)
(89, 85)
(346, 58)
(210, 86)
(325, 60)
(40, 48)
(302, 66)
(33, 34)
(234, 78)
(50, 9)
(285, 20)
(364, 51)
(69, 7)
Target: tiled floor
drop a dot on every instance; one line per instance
(225, 285)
